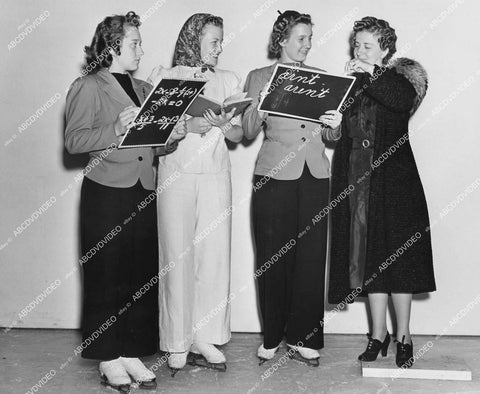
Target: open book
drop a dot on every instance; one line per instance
(202, 103)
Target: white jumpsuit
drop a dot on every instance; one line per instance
(194, 228)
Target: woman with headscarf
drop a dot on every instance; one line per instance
(118, 327)
(286, 201)
(194, 213)
(380, 233)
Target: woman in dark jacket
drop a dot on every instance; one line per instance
(380, 228)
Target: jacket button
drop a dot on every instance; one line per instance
(304, 139)
(302, 126)
(140, 158)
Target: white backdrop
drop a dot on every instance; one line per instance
(38, 264)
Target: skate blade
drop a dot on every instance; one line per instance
(197, 360)
(173, 371)
(148, 385)
(123, 388)
(311, 362)
(262, 360)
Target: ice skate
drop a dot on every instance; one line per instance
(208, 356)
(114, 375)
(142, 376)
(176, 361)
(266, 354)
(305, 355)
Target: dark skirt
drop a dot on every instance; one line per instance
(120, 266)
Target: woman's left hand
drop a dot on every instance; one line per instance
(331, 118)
(218, 120)
(359, 66)
(180, 129)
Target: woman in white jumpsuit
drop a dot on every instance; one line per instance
(194, 209)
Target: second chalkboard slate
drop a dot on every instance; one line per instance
(304, 93)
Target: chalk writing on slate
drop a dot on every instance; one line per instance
(304, 93)
(161, 111)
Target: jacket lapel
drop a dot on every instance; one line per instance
(269, 70)
(110, 85)
(139, 90)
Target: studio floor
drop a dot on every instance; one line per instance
(28, 355)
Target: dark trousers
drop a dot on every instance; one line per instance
(291, 282)
(120, 291)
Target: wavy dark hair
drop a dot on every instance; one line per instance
(282, 28)
(387, 38)
(108, 35)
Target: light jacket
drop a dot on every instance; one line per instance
(93, 104)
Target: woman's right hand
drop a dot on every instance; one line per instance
(262, 94)
(198, 125)
(124, 120)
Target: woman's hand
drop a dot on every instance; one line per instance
(180, 130)
(156, 75)
(124, 120)
(198, 125)
(331, 118)
(262, 94)
(218, 120)
(358, 66)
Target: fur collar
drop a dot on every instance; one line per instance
(416, 75)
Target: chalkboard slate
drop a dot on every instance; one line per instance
(161, 111)
(304, 93)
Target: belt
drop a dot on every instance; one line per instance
(358, 143)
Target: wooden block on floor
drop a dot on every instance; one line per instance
(435, 368)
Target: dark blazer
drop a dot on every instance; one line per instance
(93, 104)
(284, 135)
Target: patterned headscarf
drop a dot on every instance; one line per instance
(187, 48)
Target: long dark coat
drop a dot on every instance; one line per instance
(398, 251)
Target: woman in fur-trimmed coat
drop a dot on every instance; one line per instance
(380, 240)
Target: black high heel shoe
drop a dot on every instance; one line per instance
(373, 348)
(404, 357)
